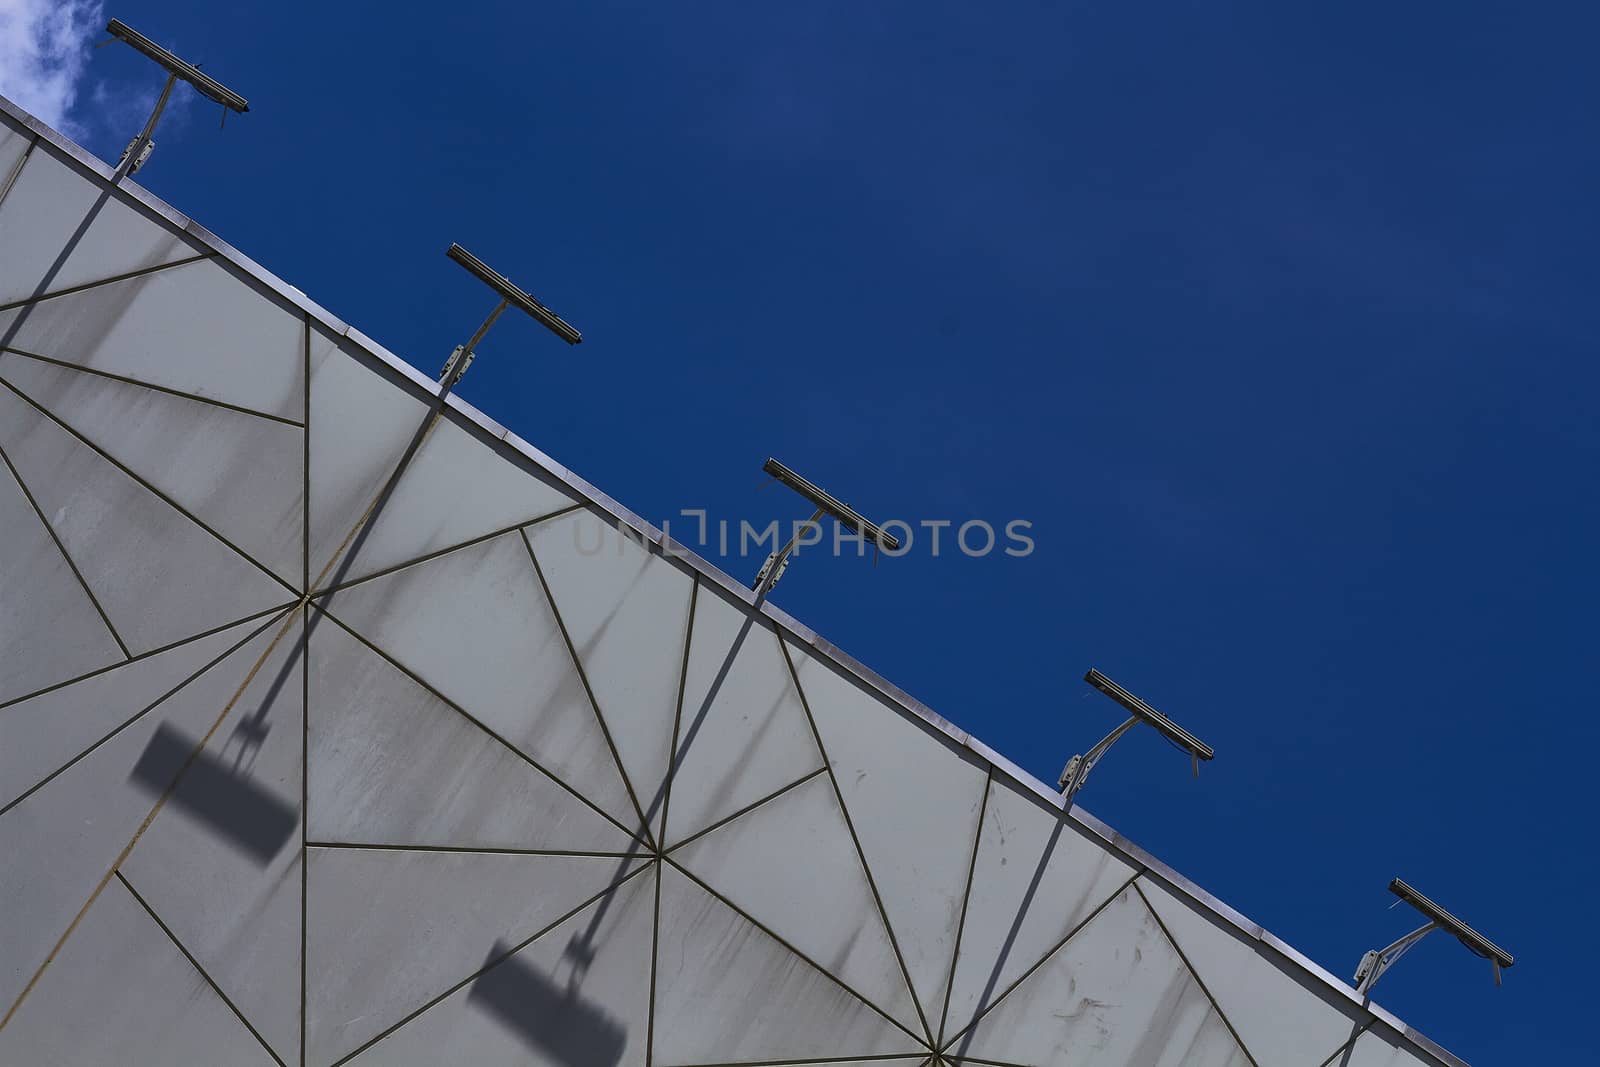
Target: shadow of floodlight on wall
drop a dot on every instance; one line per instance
(217, 794)
(550, 1017)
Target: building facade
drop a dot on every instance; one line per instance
(340, 725)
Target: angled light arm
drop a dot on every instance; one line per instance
(826, 504)
(138, 150)
(1077, 769)
(1376, 962)
(510, 296)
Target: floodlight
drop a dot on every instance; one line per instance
(138, 151)
(1376, 962)
(204, 84)
(829, 504)
(517, 298)
(1449, 923)
(826, 504)
(1077, 769)
(1169, 729)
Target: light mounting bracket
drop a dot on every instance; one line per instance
(139, 149)
(1375, 963)
(510, 296)
(1076, 772)
(826, 504)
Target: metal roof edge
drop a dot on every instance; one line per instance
(1144, 860)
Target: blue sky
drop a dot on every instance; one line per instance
(1278, 324)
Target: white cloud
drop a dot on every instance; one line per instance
(44, 48)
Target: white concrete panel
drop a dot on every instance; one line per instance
(40, 734)
(1036, 879)
(49, 628)
(1373, 1049)
(159, 576)
(362, 420)
(539, 1007)
(49, 204)
(776, 862)
(476, 626)
(389, 931)
(457, 486)
(726, 992)
(199, 328)
(1116, 995)
(61, 840)
(391, 764)
(913, 798)
(627, 612)
(1279, 1019)
(237, 911)
(122, 993)
(14, 140)
(240, 474)
(743, 731)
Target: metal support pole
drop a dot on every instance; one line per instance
(1076, 772)
(778, 562)
(1375, 963)
(130, 159)
(461, 358)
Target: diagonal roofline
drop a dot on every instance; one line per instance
(1143, 861)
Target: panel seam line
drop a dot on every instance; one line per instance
(217, 989)
(861, 852)
(62, 548)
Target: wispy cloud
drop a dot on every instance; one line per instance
(44, 48)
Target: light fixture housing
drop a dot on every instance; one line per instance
(514, 296)
(204, 84)
(832, 505)
(1169, 729)
(1445, 921)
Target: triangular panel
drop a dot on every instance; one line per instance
(392, 764)
(122, 992)
(727, 992)
(913, 798)
(476, 626)
(777, 861)
(220, 865)
(71, 831)
(49, 627)
(455, 487)
(239, 474)
(627, 612)
(41, 734)
(14, 140)
(388, 931)
(198, 328)
(1116, 995)
(1037, 876)
(578, 996)
(160, 577)
(1279, 1020)
(50, 205)
(743, 731)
